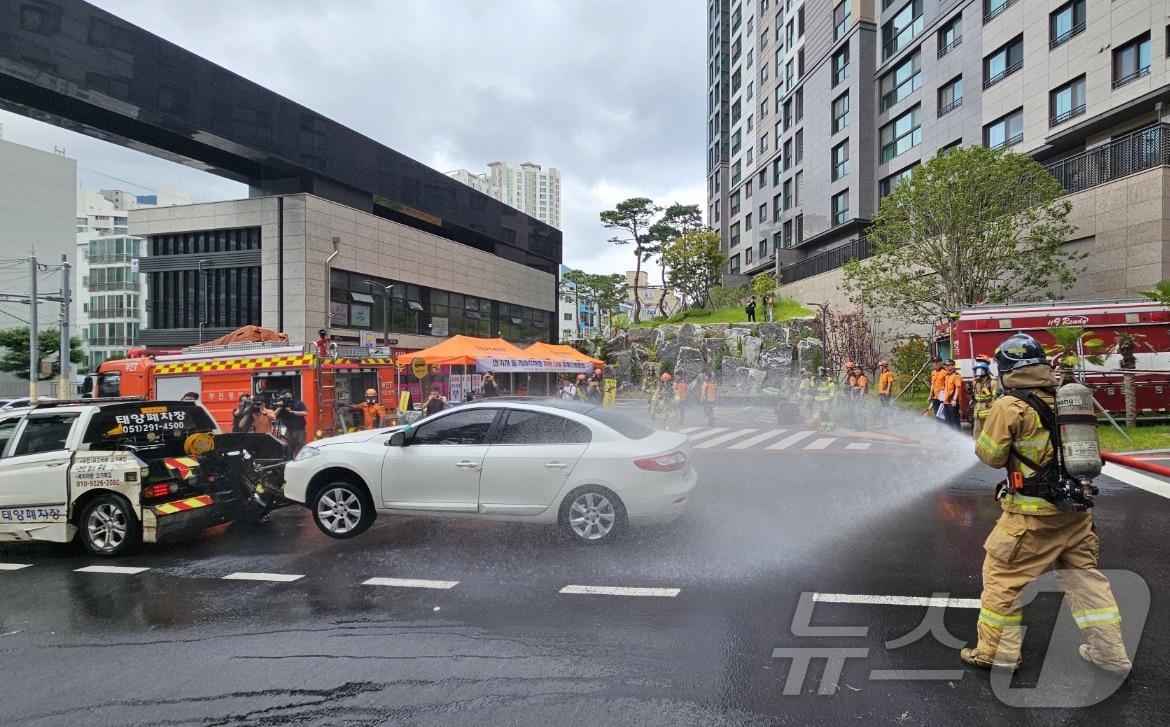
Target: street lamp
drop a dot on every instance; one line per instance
(824, 307)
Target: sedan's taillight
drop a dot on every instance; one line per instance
(663, 463)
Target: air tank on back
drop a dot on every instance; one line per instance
(1078, 431)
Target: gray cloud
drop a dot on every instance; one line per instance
(609, 92)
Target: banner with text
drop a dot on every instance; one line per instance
(531, 366)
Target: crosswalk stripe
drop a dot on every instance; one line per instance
(821, 443)
(114, 569)
(723, 438)
(790, 440)
(688, 430)
(274, 577)
(410, 583)
(753, 441)
(708, 433)
(15, 566)
(858, 445)
(621, 591)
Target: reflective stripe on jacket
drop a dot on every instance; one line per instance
(1010, 422)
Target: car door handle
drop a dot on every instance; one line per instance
(557, 466)
(465, 465)
(54, 464)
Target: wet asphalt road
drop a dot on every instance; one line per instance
(177, 644)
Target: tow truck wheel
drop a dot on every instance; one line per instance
(343, 509)
(108, 526)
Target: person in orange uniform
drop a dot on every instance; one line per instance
(372, 412)
(680, 394)
(952, 386)
(708, 395)
(937, 375)
(861, 387)
(885, 383)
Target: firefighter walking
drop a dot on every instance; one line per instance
(984, 390)
(1033, 534)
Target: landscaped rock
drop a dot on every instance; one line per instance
(773, 332)
(668, 351)
(752, 346)
(714, 330)
(690, 363)
(809, 353)
(777, 358)
(749, 381)
(711, 348)
(641, 335)
(623, 365)
(690, 334)
(731, 365)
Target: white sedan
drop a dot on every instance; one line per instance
(589, 469)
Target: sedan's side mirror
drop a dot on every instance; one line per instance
(397, 439)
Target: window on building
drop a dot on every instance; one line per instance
(798, 141)
(763, 142)
(898, 31)
(764, 109)
(1067, 102)
(800, 64)
(747, 95)
(736, 79)
(733, 232)
(735, 202)
(747, 189)
(799, 229)
(733, 265)
(1003, 62)
(840, 208)
(799, 97)
(902, 134)
(736, 141)
(787, 115)
(1005, 131)
(764, 249)
(1131, 61)
(1066, 22)
(787, 155)
(839, 160)
(841, 65)
(842, 18)
(992, 8)
(736, 111)
(788, 233)
(948, 147)
(747, 256)
(788, 194)
(891, 182)
(747, 222)
(798, 187)
(736, 172)
(903, 80)
(950, 36)
(841, 112)
(762, 181)
(789, 74)
(950, 96)
(776, 168)
(777, 207)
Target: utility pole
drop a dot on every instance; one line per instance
(63, 383)
(33, 354)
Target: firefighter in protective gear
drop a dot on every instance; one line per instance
(806, 394)
(582, 385)
(885, 383)
(662, 404)
(825, 396)
(372, 412)
(984, 390)
(1032, 534)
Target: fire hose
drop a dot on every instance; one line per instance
(1135, 463)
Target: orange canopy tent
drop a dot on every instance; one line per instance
(464, 350)
(560, 352)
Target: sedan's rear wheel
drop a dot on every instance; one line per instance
(592, 515)
(342, 510)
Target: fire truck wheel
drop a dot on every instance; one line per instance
(343, 509)
(108, 526)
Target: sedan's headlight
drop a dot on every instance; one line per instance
(306, 453)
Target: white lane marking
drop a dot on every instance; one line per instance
(708, 433)
(758, 439)
(1140, 480)
(15, 566)
(274, 577)
(790, 440)
(621, 591)
(821, 443)
(896, 600)
(410, 583)
(858, 445)
(117, 569)
(688, 430)
(723, 438)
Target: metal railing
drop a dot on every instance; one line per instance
(1010, 141)
(950, 46)
(113, 285)
(1063, 117)
(943, 111)
(1130, 78)
(123, 257)
(1067, 35)
(996, 12)
(857, 249)
(1003, 74)
(112, 313)
(1135, 152)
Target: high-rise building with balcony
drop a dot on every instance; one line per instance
(817, 109)
(534, 191)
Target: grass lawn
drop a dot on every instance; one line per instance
(782, 310)
(1154, 436)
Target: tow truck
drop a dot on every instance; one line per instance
(117, 473)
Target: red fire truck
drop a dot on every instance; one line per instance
(220, 374)
(977, 331)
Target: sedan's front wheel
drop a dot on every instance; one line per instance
(108, 526)
(592, 515)
(342, 509)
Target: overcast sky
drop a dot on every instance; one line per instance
(610, 92)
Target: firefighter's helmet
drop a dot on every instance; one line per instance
(1019, 351)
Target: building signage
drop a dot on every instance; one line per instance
(439, 326)
(359, 315)
(419, 368)
(531, 366)
(367, 339)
